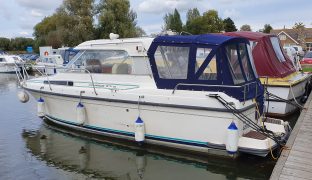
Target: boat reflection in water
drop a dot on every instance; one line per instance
(117, 160)
(7, 82)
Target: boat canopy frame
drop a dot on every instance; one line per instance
(224, 82)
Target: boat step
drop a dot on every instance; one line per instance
(272, 120)
(255, 135)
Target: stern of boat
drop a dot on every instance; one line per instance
(257, 143)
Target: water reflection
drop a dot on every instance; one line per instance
(7, 82)
(115, 160)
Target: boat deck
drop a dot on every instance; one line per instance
(296, 161)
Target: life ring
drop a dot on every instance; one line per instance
(46, 53)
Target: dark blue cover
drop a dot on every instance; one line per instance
(209, 39)
(252, 88)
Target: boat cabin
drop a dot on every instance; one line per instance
(116, 56)
(269, 57)
(205, 63)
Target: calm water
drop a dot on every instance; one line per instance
(31, 149)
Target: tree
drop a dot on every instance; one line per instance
(212, 23)
(115, 16)
(267, 28)
(245, 27)
(71, 24)
(173, 21)
(140, 32)
(229, 25)
(299, 27)
(192, 14)
(5, 44)
(209, 22)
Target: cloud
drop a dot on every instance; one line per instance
(36, 13)
(152, 28)
(4, 11)
(163, 6)
(24, 33)
(39, 4)
(232, 13)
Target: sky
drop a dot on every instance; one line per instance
(18, 17)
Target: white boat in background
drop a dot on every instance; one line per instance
(193, 93)
(10, 63)
(49, 64)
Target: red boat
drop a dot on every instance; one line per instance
(277, 72)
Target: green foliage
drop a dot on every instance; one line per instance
(192, 14)
(209, 22)
(245, 27)
(115, 16)
(16, 44)
(173, 21)
(5, 44)
(267, 28)
(229, 25)
(70, 25)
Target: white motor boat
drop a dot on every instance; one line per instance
(10, 63)
(193, 93)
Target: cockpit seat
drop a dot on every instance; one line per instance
(122, 68)
(94, 66)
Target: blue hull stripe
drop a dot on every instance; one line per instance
(131, 134)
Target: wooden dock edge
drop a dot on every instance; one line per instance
(277, 171)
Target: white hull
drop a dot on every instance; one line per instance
(280, 108)
(171, 120)
(7, 68)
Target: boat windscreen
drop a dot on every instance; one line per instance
(103, 61)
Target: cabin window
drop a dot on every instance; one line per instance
(252, 62)
(245, 61)
(172, 62)
(210, 72)
(234, 66)
(253, 44)
(103, 61)
(277, 49)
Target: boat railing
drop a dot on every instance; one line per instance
(224, 86)
(21, 73)
(71, 70)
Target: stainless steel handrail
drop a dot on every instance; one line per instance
(226, 86)
(21, 77)
(208, 85)
(73, 69)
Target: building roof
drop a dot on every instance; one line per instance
(293, 33)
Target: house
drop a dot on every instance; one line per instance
(290, 37)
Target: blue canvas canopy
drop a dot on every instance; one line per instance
(207, 62)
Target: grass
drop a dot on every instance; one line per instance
(307, 69)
